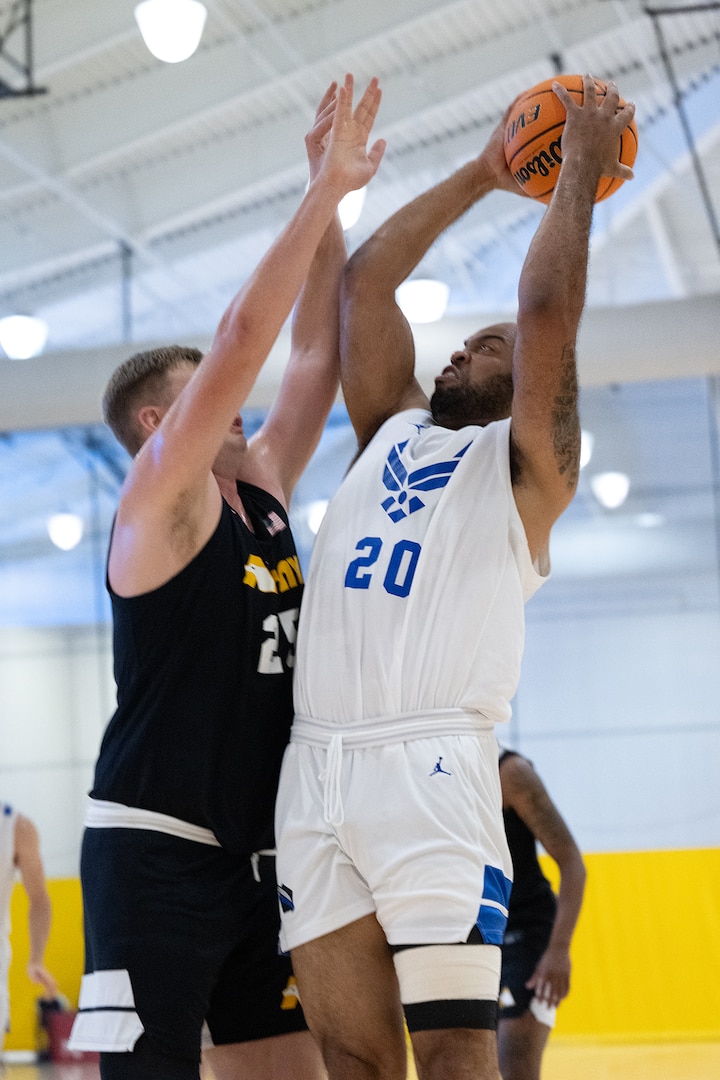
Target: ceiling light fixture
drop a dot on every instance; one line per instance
(350, 207)
(610, 489)
(65, 530)
(423, 300)
(587, 441)
(171, 29)
(650, 520)
(22, 336)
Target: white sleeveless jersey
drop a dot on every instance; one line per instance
(7, 882)
(417, 583)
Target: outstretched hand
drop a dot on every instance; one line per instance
(337, 143)
(593, 128)
(317, 137)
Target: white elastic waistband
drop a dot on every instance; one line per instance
(100, 814)
(382, 730)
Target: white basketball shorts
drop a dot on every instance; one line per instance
(412, 831)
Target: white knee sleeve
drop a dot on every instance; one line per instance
(449, 985)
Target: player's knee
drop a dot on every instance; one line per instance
(519, 1061)
(374, 1055)
(520, 1048)
(449, 986)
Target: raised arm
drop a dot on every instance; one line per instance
(32, 876)
(524, 792)
(376, 344)
(310, 383)
(176, 461)
(545, 434)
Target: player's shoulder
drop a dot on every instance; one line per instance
(515, 768)
(261, 471)
(414, 418)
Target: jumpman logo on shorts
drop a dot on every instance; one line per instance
(438, 768)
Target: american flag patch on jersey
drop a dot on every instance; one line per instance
(274, 523)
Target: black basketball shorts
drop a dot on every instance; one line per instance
(179, 934)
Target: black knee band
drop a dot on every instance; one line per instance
(460, 1013)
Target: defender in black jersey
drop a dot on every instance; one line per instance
(179, 888)
(535, 974)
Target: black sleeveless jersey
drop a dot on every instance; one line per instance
(532, 900)
(203, 667)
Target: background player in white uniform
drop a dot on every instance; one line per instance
(20, 857)
(392, 864)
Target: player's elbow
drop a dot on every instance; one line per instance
(554, 313)
(357, 279)
(236, 326)
(39, 898)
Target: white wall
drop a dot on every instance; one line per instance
(56, 694)
(620, 717)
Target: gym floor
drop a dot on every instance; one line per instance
(562, 1061)
(640, 1061)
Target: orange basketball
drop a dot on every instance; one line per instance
(533, 138)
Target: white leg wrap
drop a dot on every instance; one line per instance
(448, 973)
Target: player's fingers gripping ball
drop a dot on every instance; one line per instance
(533, 138)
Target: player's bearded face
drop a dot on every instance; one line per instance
(456, 405)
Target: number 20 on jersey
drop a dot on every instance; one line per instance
(396, 569)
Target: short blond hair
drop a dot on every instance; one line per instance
(141, 380)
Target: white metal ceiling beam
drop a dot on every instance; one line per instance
(146, 206)
(663, 245)
(217, 84)
(65, 388)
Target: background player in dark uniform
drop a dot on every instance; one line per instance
(535, 973)
(180, 898)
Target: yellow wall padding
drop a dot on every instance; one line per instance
(646, 954)
(64, 958)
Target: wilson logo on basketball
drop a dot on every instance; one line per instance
(541, 164)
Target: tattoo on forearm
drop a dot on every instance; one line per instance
(565, 422)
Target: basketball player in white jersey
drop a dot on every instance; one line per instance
(393, 867)
(20, 859)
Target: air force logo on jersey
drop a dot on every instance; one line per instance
(405, 485)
